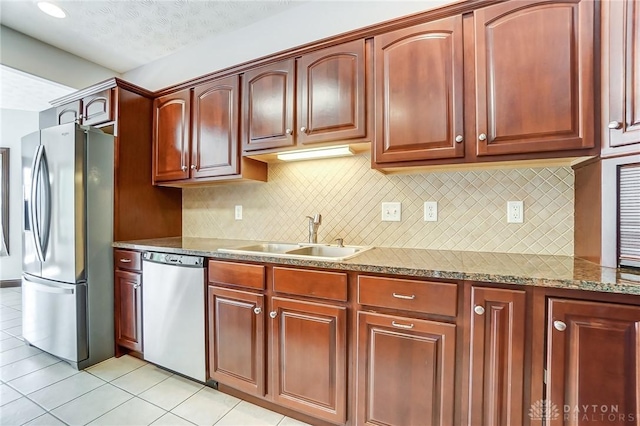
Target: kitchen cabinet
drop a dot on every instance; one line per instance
(318, 98)
(196, 136)
(512, 81)
(236, 339)
(128, 300)
(405, 369)
(621, 77)
(69, 113)
(497, 354)
(419, 92)
(309, 357)
(91, 110)
(592, 357)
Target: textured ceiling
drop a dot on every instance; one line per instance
(27, 92)
(123, 35)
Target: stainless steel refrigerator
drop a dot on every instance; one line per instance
(67, 281)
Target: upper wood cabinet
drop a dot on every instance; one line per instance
(196, 135)
(320, 97)
(69, 113)
(419, 92)
(534, 76)
(91, 110)
(592, 364)
(621, 75)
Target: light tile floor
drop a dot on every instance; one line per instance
(39, 389)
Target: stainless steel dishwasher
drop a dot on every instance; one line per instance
(173, 307)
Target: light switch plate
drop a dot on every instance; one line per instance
(391, 212)
(515, 211)
(430, 211)
(238, 212)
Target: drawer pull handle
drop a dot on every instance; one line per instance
(402, 296)
(273, 314)
(125, 260)
(257, 311)
(398, 325)
(478, 309)
(559, 325)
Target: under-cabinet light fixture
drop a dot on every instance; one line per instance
(310, 154)
(51, 9)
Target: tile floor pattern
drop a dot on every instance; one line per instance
(39, 389)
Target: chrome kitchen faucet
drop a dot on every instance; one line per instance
(314, 224)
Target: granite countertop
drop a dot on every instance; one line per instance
(523, 269)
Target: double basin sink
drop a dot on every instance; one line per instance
(299, 251)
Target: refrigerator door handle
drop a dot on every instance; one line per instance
(33, 208)
(46, 231)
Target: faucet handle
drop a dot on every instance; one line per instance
(340, 242)
(317, 219)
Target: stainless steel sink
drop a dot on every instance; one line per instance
(299, 251)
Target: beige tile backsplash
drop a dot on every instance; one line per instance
(471, 207)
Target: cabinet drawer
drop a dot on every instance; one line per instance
(236, 274)
(321, 284)
(409, 295)
(127, 259)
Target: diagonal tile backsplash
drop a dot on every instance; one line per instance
(471, 207)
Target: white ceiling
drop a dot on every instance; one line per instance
(120, 34)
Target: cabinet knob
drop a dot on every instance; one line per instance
(193, 167)
(482, 137)
(303, 129)
(559, 325)
(257, 311)
(273, 314)
(615, 125)
(184, 168)
(459, 139)
(136, 286)
(478, 310)
(288, 131)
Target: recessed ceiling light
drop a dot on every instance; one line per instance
(51, 9)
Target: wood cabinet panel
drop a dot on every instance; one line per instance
(592, 358)
(98, 108)
(309, 358)
(409, 295)
(171, 135)
(419, 92)
(624, 72)
(303, 282)
(216, 128)
(69, 113)
(332, 98)
(405, 370)
(497, 357)
(268, 106)
(127, 259)
(128, 310)
(236, 274)
(534, 76)
(236, 341)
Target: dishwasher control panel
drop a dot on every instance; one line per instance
(174, 259)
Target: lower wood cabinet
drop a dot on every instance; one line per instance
(592, 363)
(236, 339)
(497, 352)
(405, 371)
(309, 362)
(128, 309)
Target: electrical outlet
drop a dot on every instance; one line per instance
(391, 212)
(430, 211)
(515, 211)
(238, 212)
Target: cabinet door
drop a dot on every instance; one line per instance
(236, 339)
(215, 129)
(331, 92)
(419, 92)
(624, 72)
(98, 108)
(497, 357)
(406, 370)
(268, 106)
(171, 136)
(534, 76)
(309, 358)
(593, 353)
(69, 113)
(128, 310)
